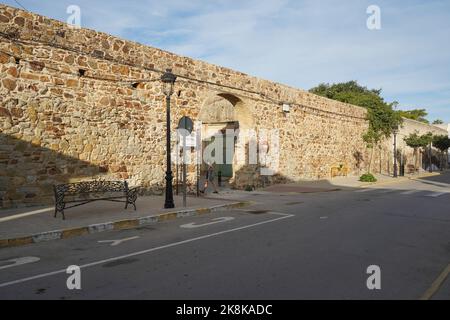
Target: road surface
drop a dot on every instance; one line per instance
(286, 246)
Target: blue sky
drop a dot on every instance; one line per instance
(299, 43)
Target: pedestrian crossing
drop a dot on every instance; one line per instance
(424, 193)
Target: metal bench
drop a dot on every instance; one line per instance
(85, 192)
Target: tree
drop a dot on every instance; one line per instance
(416, 141)
(438, 121)
(442, 143)
(381, 115)
(415, 114)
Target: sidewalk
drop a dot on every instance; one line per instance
(351, 182)
(37, 224)
(382, 179)
(317, 186)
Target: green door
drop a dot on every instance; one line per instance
(225, 168)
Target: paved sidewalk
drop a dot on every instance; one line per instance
(37, 224)
(317, 186)
(342, 183)
(382, 179)
(17, 227)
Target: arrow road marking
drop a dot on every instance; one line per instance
(142, 252)
(117, 242)
(26, 214)
(214, 221)
(18, 262)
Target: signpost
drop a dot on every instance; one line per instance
(187, 126)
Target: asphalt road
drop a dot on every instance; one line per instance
(286, 246)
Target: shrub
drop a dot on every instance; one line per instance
(368, 177)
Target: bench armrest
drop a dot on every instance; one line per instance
(133, 189)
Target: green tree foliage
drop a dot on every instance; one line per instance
(416, 141)
(415, 114)
(381, 115)
(438, 121)
(442, 143)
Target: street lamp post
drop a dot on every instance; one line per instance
(430, 155)
(168, 80)
(395, 132)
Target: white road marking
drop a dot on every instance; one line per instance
(323, 218)
(44, 275)
(435, 183)
(214, 221)
(18, 261)
(436, 194)
(436, 284)
(410, 192)
(26, 214)
(117, 242)
(280, 214)
(364, 190)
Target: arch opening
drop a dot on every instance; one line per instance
(223, 116)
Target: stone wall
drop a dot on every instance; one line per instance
(384, 162)
(79, 104)
(445, 127)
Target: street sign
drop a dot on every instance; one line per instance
(186, 124)
(191, 141)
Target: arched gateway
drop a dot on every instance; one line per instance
(221, 114)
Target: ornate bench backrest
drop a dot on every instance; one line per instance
(91, 187)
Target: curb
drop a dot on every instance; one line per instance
(115, 225)
(401, 179)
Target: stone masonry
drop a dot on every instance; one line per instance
(385, 157)
(78, 104)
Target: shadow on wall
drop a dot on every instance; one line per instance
(29, 171)
(250, 177)
(436, 160)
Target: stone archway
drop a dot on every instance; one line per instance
(222, 111)
(225, 107)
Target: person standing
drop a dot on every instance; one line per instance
(210, 179)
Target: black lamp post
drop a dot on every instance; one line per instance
(430, 155)
(395, 132)
(168, 79)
